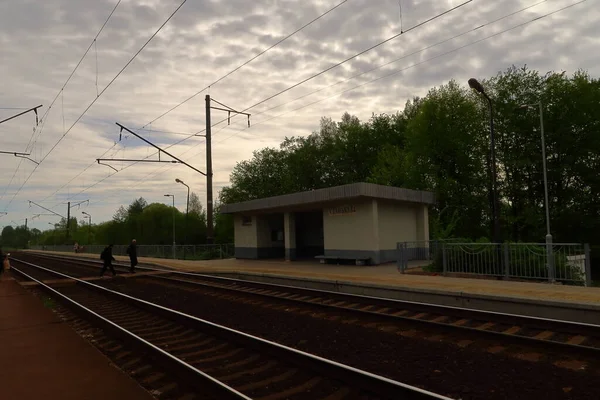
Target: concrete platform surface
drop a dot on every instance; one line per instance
(43, 358)
(386, 275)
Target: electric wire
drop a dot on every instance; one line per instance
(313, 76)
(392, 73)
(56, 98)
(395, 72)
(248, 62)
(95, 99)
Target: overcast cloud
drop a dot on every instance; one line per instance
(41, 42)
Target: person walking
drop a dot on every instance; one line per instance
(132, 252)
(2, 257)
(107, 257)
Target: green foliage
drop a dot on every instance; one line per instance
(441, 142)
(147, 223)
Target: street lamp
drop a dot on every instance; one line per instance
(474, 84)
(546, 206)
(173, 196)
(89, 227)
(187, 209)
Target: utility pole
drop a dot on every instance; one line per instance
(209, 176)
(209, 170)
(69, 206)
(25, 223)
(68, 219)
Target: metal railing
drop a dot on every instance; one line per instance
(182, 252)
(418, 252)
(570, 262)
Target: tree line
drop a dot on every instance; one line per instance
(147, 223)
(441, 143)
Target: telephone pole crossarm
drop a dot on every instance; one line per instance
(159, 149)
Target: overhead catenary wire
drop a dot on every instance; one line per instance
(315, 75)
(404, 68)
(247, 62)
(182, 140)
(400, 58)
(395, 72)
(96, 98)
(61, 91)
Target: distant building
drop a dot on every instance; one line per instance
(361, 222)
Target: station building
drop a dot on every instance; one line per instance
(361, 222)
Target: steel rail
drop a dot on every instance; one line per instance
(527, 320)
(222, 387)
(375, 383)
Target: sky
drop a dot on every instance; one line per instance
(42, 42)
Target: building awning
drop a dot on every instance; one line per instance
(332, 194)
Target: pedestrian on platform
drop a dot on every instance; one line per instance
(2, 256)
(132, 251)
(5, 263)
(107, 257)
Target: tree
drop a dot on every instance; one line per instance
(196, 205)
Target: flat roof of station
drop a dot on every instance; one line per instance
(331, 194)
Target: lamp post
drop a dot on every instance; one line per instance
(89, 227)
(187, 209)
(474, 84)
(173, 196)
(549, 254)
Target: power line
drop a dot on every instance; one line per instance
(58, 94)
(247, 62)
(395, 72)
(401, 58)
(359, 54)
(95, 99)
(306, 80)
(385, 76)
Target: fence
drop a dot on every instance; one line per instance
(182, 252)
(569, 262)
(419, 253)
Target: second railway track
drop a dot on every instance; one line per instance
(225, 362)
(573, 337)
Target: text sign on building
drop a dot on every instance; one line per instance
(342, 210)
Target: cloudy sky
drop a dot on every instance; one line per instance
(42, 42)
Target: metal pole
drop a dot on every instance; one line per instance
(174, 227)
(187, 210)
(90, 231)
(549, 253)
(495, 208)
(68, 220)
(209, 176)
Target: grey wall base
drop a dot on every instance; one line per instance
(586, 313)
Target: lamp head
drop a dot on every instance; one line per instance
(178, 180)
(474, 84)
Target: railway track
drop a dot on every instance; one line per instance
(218, 361)
(564, 336)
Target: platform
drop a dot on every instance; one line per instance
(528, 298)
(43, 358)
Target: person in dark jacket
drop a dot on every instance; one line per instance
(107, 257)
(132, 252)
(2, 257)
